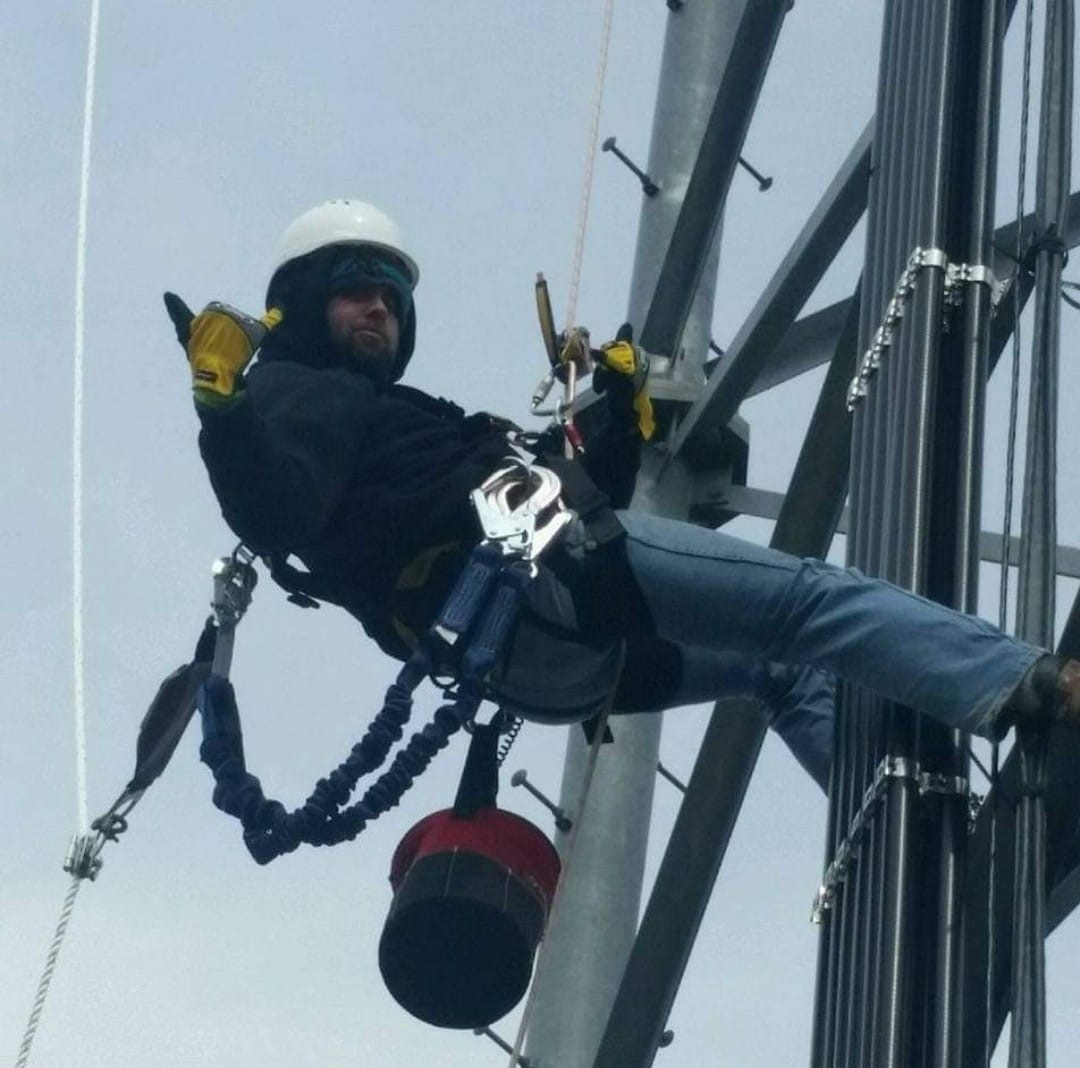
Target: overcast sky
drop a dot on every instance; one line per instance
(216, 123)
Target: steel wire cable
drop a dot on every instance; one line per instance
(1006, 529)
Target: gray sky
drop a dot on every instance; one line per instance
(216, 123)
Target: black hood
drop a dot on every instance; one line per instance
(302, 289)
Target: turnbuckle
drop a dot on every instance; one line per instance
(520, 510)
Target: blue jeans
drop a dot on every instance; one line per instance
(794, 623)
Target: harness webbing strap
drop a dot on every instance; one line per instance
(582, 495)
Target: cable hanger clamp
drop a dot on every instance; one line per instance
(956, 275)
(889, 768)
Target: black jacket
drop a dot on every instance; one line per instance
(368, 487)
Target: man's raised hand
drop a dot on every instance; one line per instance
(220, 342)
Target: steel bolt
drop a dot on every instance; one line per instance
(649, 187)
(502, 1044)
(670, 778)
(763, 182)
(562, 821)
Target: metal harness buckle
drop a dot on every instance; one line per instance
(234, 580)
(520, 510)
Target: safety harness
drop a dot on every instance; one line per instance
(521, 515)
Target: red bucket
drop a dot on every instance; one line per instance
(470, 900)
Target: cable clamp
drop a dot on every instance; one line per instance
(947, 785)
(919, 259)
(958, 275)
(899, 768)
(890, 767)
(933, 257)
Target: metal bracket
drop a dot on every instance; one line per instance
(234, 582)
(947, 785)
(889, 768)
(958, 275)
(82, 858)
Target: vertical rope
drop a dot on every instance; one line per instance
(590, 159)
(47, 974)
(77, 430)
(78, 673)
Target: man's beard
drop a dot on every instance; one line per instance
(372, 360)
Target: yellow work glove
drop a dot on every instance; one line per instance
(220, 342)
(622, 370)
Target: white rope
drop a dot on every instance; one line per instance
(78, 686)
(77, 432)
(47, 974)
(601, 725)
(590, 159)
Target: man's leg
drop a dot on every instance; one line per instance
(705, 588)
(800, 701)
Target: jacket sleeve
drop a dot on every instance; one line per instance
(281, 458)
(613, 452)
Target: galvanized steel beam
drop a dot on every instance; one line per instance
(721, 143)
(795, 279)
(726, 760)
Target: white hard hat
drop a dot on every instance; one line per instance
(343, 222)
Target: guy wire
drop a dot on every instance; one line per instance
(1006, 529)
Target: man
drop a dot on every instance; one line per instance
(318, 451)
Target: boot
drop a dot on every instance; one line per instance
(1048, 693)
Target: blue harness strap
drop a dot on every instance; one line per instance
(471, 630)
